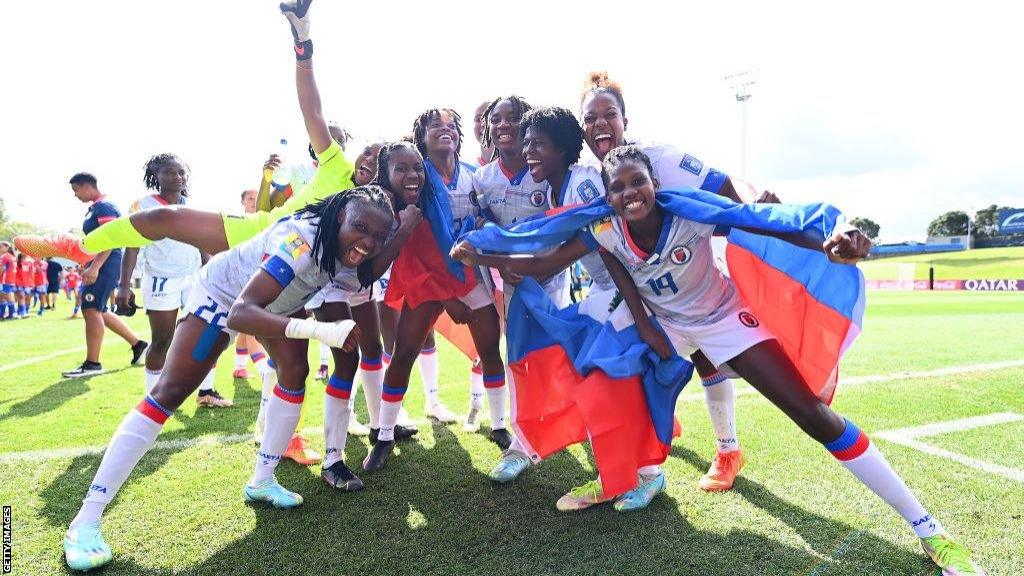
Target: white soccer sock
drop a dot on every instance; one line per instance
(283, 412)
(337, 410)
(476, 386)
(133, 438)
(372, 370)
(262, 363)
(207, 383)
(241, 358)
(428, 373)
(390, 405)
(325, 354)
(269, 379)
(496, 394)
(151, 378)
(721, 403)
(861, 457)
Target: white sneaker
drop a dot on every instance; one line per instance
(441, 413)
(472, 423)
(404, 419)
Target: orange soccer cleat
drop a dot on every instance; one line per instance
(723, 472)
(61, 246)
(299, 451)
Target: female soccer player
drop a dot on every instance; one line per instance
(669, 261)
(438, 137)
(337, 239)
(8, 277)
(169, 270)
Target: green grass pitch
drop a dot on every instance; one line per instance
(978, 264)
(795, 510)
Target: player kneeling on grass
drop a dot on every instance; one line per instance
(255, 288)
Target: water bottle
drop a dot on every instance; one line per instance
(281, 177)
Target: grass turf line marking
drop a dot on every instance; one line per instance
(37, 359)
(879, 378)
(909, 437)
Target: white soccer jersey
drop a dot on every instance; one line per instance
(283, 251)
(583, 185)
(460, 195)
(165, 258)
(678, 281)
(506, 198)
(676, 169)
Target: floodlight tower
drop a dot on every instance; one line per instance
(742, 84)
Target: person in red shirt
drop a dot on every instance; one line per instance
(72, 280)
(25, 283)
(39, 277)
(8, 273)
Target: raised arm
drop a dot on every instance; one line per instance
(297, 13)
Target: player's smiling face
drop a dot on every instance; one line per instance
(405, 174)
(542, 157)
(630, 190)
(366, 165)
(478, 121)
(604, 126)
(172, 176)
(442, 135)
(504, 127)
(362, 233)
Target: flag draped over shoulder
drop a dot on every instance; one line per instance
(423, 272)
(575, 375)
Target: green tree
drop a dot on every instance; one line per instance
(866, 225)
(986, 221)
(949, 224)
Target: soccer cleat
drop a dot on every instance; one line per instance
(512, 464)
(341, 478)
(378, 455)
(404, 419)
(299, 451)
(401, 433)
(321, 374)
(60, 245)
(240, 374)
(138, 350)
(953, 558)
(213, 399)
(723, 472)
(501, 437)
(272, 493)
(472, 423)
(582, 497)
(357, 428)
(441, 413)
(647, 488)
(84, 548)
(85, 370)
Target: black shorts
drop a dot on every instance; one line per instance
(97, 294)
(53, 288)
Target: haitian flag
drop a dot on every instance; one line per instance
(423, 272)
(814, 307)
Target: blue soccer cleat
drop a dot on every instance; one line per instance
(641, 496)
(84, 548)
(511, 465)
(272, 493)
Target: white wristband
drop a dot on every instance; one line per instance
(303, 328)
(333, 334)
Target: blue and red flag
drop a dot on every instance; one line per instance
(813, 306)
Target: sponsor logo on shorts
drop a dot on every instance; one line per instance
(89, 297)
(537, 198)
(691, 165)
(748, 320)
(680, 255)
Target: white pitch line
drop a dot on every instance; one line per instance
(909, 437)
(37, 359)
(879, 378)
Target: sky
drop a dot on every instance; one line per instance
(892, 111)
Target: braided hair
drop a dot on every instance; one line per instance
(153, 166)
(599, 83)
(622, 154)
(419, 128)
(326, 249)
(519, 105)
(560, 125)
(384, 161)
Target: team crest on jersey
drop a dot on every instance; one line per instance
(473, 199)
(691, 165)
(587, 190)
(537, 198)
(748, 320)
(294, 245)
(680, 255)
